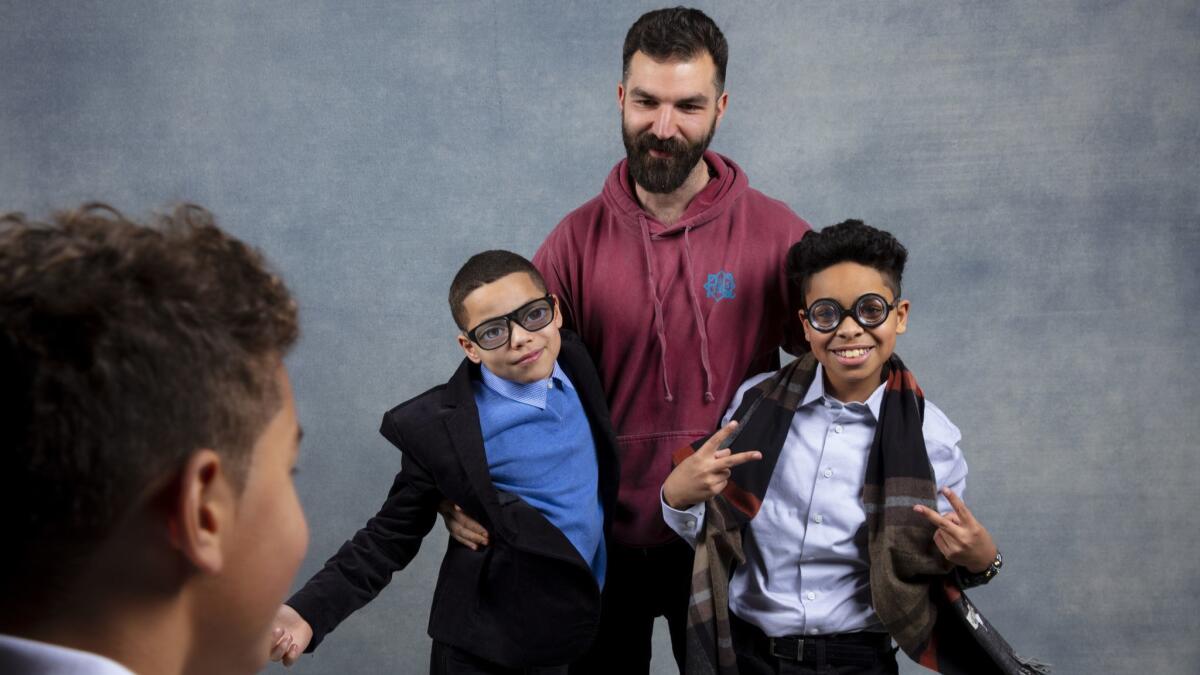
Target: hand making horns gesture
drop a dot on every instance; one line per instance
(962, 539)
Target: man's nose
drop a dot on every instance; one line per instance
(664, 122)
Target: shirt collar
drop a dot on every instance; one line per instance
(532, 393)
(816, 393)
(57, 660)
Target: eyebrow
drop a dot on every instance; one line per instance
(694, 99)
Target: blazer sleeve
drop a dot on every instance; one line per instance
(363, 566)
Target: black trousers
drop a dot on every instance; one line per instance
(640, 585)
(447, 659)
(844, 654)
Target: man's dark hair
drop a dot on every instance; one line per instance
(848, 241)
(123, 349)
(484, 268)
(676, 33)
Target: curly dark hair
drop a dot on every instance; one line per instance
(484, 268)
(677, 33)
(848, 241)
(124, 348)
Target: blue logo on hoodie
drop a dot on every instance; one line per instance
(720, 286)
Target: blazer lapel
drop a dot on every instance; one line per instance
(462, 426)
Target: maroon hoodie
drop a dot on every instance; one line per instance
(675, 316)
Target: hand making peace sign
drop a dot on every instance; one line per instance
(705, 472)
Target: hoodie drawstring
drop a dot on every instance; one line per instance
(691, 285)
(658, 313)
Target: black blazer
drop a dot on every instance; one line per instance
(528, 598)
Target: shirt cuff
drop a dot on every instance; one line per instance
(685, 523)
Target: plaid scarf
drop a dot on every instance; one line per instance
(913, 590)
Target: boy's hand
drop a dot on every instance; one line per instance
(462, 527)
(961, 538)
(705, 472)
(290, 635)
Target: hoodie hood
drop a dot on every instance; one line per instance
(727, 184)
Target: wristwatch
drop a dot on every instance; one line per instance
(969, 579)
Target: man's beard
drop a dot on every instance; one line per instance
(666, 174)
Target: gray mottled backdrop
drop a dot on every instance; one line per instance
(1039, 159)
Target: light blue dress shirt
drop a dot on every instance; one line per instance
(539, 446)
(807, 569)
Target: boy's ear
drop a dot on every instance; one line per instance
(469, 348)
(902, 316)
(202, 511)
(804, 324)
(558, 317)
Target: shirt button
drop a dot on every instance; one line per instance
(828, 473)
(812, 631)
(689, 523)
(812, 596)
(837, 429)
(819, 518)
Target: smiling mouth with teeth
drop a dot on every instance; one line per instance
(851, 353)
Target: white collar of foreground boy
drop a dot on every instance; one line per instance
(19, 656)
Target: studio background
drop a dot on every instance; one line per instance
(1038, 159)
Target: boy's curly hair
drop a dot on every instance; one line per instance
(848, 241)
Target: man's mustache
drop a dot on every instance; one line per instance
(647, 141)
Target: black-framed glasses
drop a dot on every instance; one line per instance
(869, 310)
(532, 316)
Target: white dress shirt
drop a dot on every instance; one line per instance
(807, 568)
(19, 656)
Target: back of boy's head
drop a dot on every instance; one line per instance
(482, 269)
(124, 348)
(848, 241)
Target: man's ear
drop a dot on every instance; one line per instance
(202, 510)
(722, 104)
(469, 348)
(621, 95)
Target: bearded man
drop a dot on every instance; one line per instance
(674, 277)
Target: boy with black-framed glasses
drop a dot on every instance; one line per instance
(519, 438)
(840, 485)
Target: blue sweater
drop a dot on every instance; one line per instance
(539, 447)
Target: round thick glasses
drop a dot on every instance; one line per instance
(532, 316)
(869, 310)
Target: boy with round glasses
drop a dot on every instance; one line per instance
(520, 439)
(826, 517)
